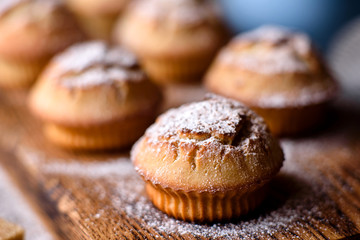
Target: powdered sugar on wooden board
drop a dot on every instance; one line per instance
(298, 198)
(305, 202)
(14, 208)
(73, 167)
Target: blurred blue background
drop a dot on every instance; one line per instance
(321, 19)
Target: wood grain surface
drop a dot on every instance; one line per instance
(97, 195)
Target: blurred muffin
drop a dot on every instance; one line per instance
(207, 161)
(175, 39)
(278, 74)
(32, 31)
(93, 96)
(97, 17)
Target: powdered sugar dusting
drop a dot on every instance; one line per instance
(305, 203)
(184, 12)
(278, 35)
(118, 166)
(297, 201)
(304, 97)
(99, 76)
(217, 115)
(95, 63)
(285, 55)
(15, 208)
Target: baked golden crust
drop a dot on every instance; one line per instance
(97, 7)
(207, 161)
(176, 31)
(171, 28)
(32, 31)
(91, 88)
(273, 70)
(122, 132)
(91, 83)
(97, 17)
(35, 29)
(209, 146)
(15, 74)
(289, 121)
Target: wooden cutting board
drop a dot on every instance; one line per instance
(97, 195)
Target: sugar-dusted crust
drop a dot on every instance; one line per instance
(35, 29)
(91, 84)
(172, 29)
(209, 146)
(271, 67)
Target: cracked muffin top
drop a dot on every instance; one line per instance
(92, 83)
(271, 67)
(214, 145)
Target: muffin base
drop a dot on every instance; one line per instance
(166, 71)
(108, 136)
(205, 206)
(19, 74)
(292, 120)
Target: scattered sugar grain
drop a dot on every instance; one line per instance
(307, 202)
(15, 208)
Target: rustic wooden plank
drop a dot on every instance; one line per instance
(99, 196)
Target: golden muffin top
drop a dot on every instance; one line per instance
(177, 13)
(271, 67)
(213, 145)
(93, 83)
(95, 63)
(269, 50)
(171, 28)
(36, 29)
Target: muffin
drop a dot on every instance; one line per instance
(97, 17)
(278, 74)
(207, 161)
(93, 96)
(175, 40)
(32, 31)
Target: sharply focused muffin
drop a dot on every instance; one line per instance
(93, 96)
(175, 39)
(207, 161)
(31, 32)
(278, 74)
(97, 17)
